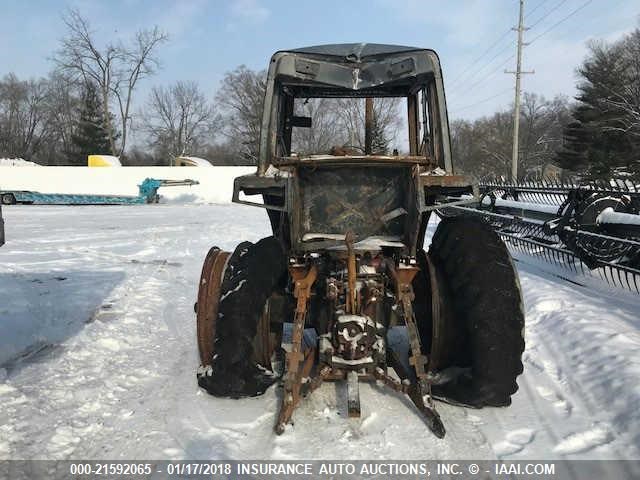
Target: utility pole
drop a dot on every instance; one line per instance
(516, 109)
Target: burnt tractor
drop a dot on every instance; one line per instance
(317, 301)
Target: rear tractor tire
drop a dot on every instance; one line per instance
(484, 331)
(231, 325)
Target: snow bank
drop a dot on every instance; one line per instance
(194, 162)
(216, 184)
(16, 162)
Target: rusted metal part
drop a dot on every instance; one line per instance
(317, 380)
(353, 395)
(412, 114)
(303, 278)
(405, 296)
(420, 391)
(344, 160)
(371, 300)
(267, 187)
(208, 302)
(413, 391)
(351, 272)
(302, 377)
(389, 381)
(446, 181)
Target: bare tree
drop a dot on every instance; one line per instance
(483, 147)
(340, 122)
(179, 120)
(542, 124)
(241, 96)
(63, 113)
(24, 122)
(334, 122)
(350, 114)
(325, 131)
(115, 68)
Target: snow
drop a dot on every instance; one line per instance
(535, 207)
(16, 162)
(98, 356)
(197, 161)
(608, 215)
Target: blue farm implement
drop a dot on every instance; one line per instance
(147, 193)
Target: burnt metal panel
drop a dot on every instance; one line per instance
(307, 67)
(446, 181)
(350, 70)
(354, 50)
(402, 67)
(272, 188)
(341, 199)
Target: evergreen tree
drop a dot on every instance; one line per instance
(602, 139)
(91, 137)
(379, 140)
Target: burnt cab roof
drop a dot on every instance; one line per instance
(357, 67)
(354, 50)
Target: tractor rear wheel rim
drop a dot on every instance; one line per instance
(442, 319)
(208, 302)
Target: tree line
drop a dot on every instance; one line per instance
(483, 147)
(86, 106)
(597, 135)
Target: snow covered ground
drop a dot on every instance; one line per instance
(98, 355)
(16, 162)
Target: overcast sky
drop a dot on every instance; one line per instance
(208, 38)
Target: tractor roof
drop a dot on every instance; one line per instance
(361, 68)
(354, 50)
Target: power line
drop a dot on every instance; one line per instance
(562, 20)
(501, 92)
(492, 72)
(538, 6)
(549, 12)
(488, 64)
(456, 85)
(477, 59)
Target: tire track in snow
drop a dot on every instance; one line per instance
(83, 388)
(125, 385)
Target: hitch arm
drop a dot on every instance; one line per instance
(303, 280)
